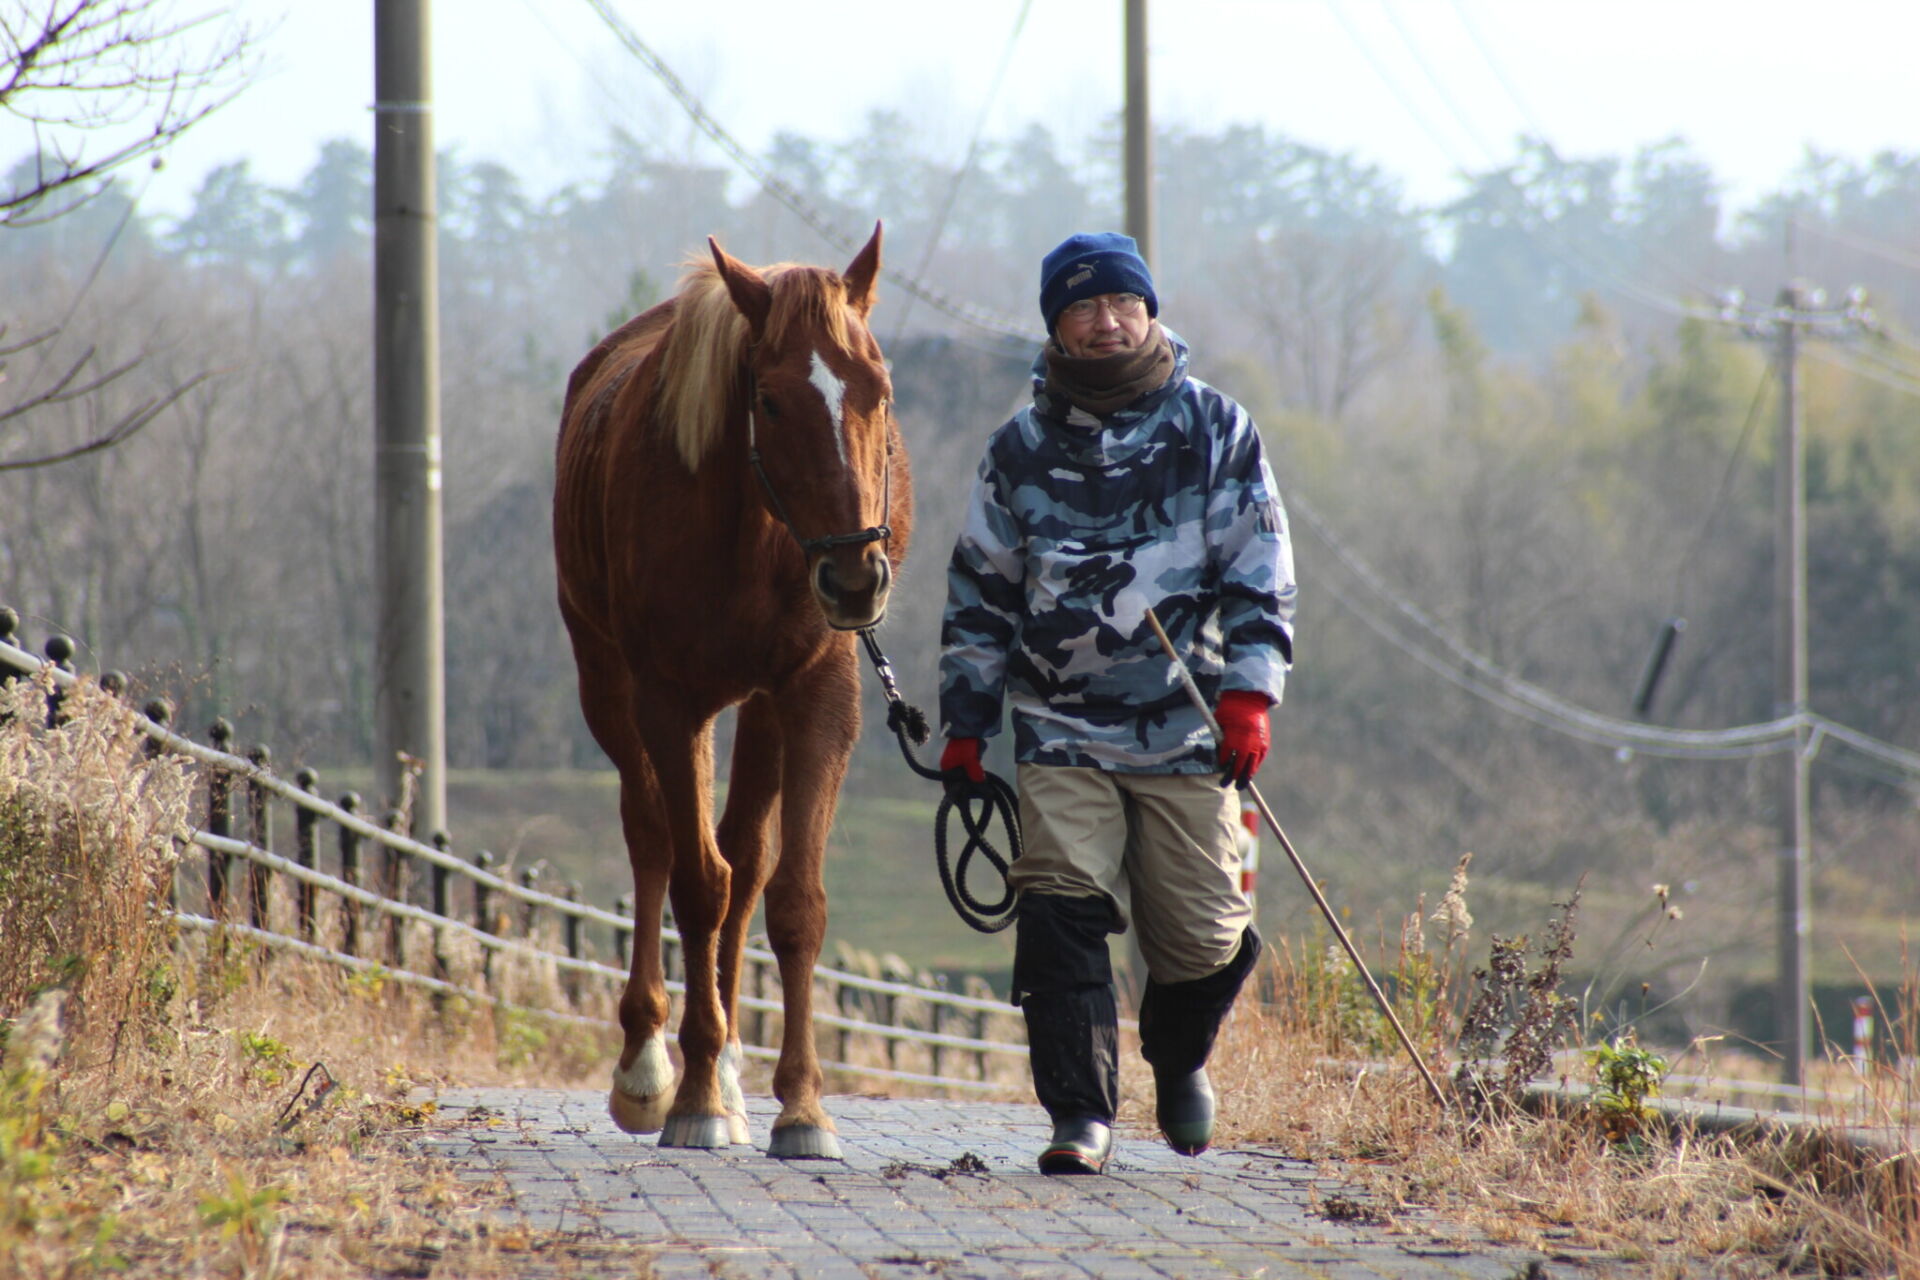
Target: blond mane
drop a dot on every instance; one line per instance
(705, 348)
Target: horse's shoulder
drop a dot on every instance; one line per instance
(631, 343)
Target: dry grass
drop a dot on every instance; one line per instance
(157, 1113)
(1684, 1202)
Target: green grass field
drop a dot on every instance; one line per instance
(884, 896)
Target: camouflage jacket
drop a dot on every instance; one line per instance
(1074, 529)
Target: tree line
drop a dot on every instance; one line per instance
(1491, 404)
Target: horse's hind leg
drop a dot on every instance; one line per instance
(754, 786)
(820, 714)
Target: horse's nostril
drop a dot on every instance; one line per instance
(825, 580)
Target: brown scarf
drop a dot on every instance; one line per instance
(1103, 384)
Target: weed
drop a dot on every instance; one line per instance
(244, 1214)
(1517, 1017)
(1625, 1076)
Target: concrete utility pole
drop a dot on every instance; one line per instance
(1139, 139)
(409, 656)
(1794, 997)
(1801, 310)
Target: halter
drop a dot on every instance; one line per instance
(873, 533)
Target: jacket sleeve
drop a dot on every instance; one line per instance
(985, 601)
(1252, 558)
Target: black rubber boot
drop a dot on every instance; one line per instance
(1063, 983)
(1078, 1146)
(1179, 1022)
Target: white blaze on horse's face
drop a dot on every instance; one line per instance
(834, 392)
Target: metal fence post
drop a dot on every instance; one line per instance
(260, 820)
(759, 1016)
(482, 897)
(306, 824)
(529, 880)
(937, 1015)
(350, 872)
(441, 908)
(160, 711)
(219, 820)
(623, 935)
(570, 927)
(396, 873)
(60, 650)
(9, 625)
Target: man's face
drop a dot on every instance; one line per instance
(1103, 326)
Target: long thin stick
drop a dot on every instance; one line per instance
(1273, 823)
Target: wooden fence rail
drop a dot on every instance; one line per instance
(466, 929)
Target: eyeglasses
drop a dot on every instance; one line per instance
(1121, 304)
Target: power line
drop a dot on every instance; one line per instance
(1871, 372)
(785, 193)
(1486, 679)
(1865, 244)
(1720, 490)
(1528, 219)
(967, 164)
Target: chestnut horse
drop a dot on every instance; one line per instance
(730, 503)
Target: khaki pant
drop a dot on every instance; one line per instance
(1164, 844)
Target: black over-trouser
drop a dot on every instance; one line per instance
(1063, 983)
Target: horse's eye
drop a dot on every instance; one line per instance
(767, 407)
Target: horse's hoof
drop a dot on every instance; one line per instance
(702, 1132)
(638, 1115)
(737, 1129)
(804, 1142)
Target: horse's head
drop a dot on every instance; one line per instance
(819, 422)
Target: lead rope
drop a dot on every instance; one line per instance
(978, 803)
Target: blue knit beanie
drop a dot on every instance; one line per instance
(1090, 264)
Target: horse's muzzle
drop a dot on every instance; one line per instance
(851, 584)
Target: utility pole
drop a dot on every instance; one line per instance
(1800, 311)
(409, 653)
(1139, 136)
(1793, 999)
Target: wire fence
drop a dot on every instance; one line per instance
(367, 896)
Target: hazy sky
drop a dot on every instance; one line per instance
(1421, 88)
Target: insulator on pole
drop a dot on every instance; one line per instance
(1657, 664)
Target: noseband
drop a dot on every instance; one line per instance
(874, 533)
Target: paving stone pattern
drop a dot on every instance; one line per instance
(949, 1189)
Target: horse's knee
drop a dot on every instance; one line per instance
(643, 1011)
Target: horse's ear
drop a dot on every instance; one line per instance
(862, 276)
(748, 288)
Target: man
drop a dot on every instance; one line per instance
(1126, 485)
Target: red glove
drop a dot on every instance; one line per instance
(963, 754)
(1243, 735)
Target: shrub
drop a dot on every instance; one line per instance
(88, 826)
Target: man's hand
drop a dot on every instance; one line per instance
(963, 756)
(1243, 735)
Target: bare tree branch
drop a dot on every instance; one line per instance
(121, 74)
(101, 83)
(129, 424)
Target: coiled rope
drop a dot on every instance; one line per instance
(978, 804)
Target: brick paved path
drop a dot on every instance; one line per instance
(948, 1189)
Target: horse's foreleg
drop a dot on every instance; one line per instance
(681, 750)
(820, 713)
(643, 1078)
(754, 787)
